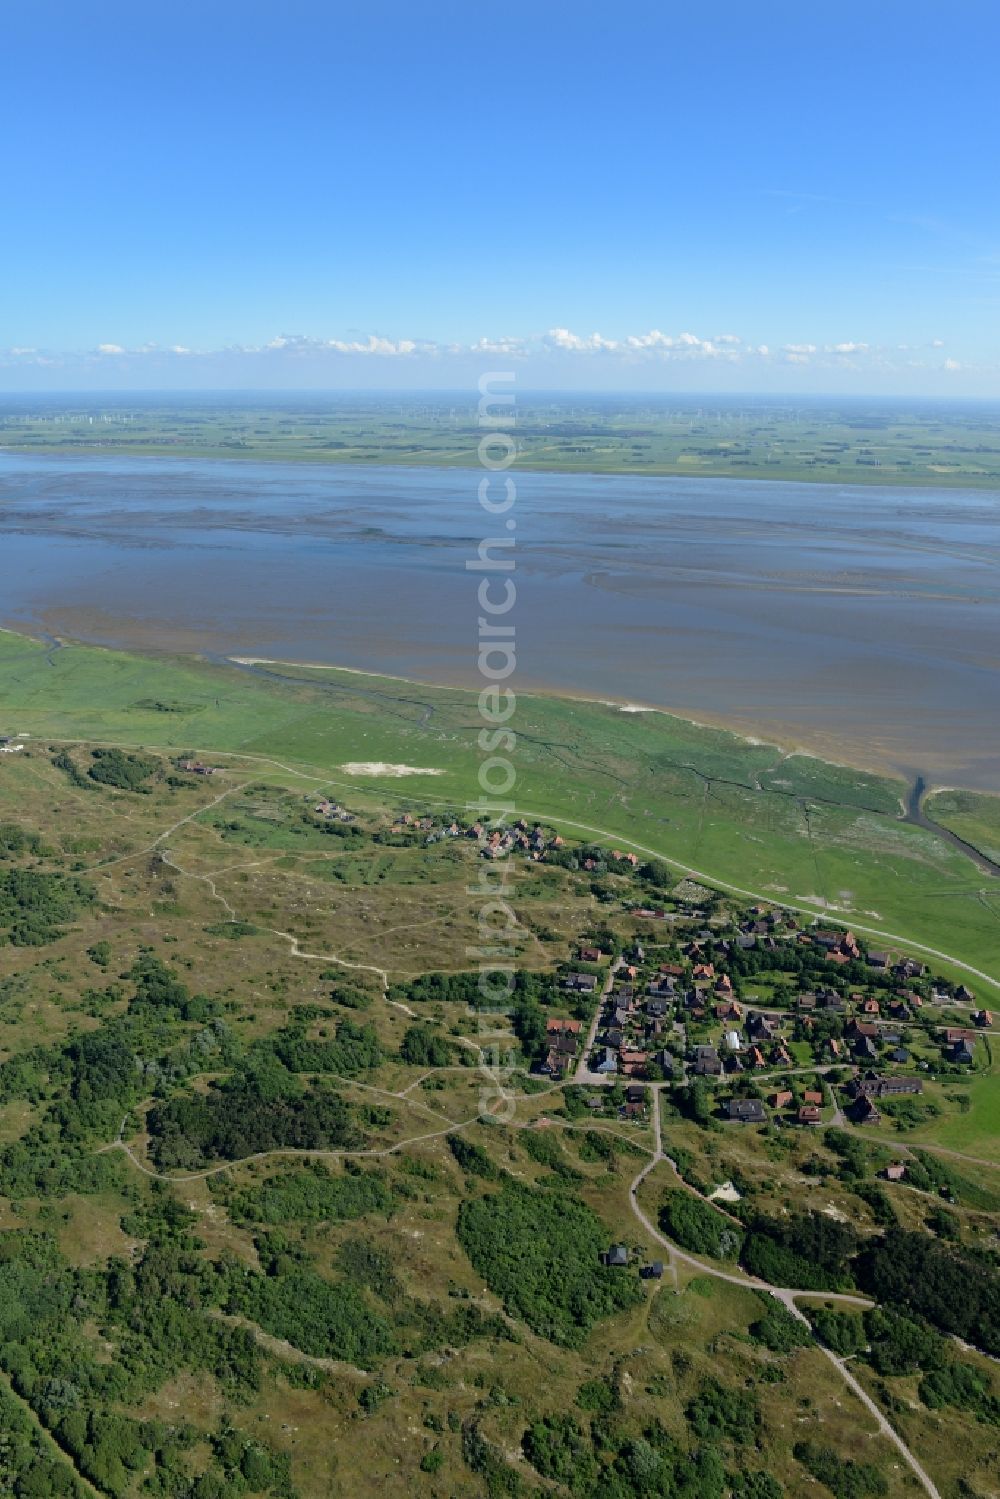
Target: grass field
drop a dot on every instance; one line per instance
(855, 442)
(250, 899)
(741, 814)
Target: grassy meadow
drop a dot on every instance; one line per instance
(855, 442)
(744, 816)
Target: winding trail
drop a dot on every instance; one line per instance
(832, 913)
(785, 1294)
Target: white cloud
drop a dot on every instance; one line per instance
(517, 348)
(290, 356)
(575, 343)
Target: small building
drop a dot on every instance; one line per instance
(617, 1256)
(872, 1085)
(652, 1271)
(863, 1111)
(706, 1061)
(781, 1098)
(895, 1171)
(812, 1096)
(563, 1027)
(810, 1114)
(746, 1110)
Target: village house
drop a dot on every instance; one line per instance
(633, 1063)
(874, 1085)
(580, 983)
(759, 1027)
(809, 1114)
(780, 1099)
(894, 1172)
(812, 1096)
(591, 955)
(570, 1028)
(863, 1111)
(909, 968)
(706, 1061)
(746, 1110)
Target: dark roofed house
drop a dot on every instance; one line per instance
(863, 1111)
(962, 1053)
(706, 1061)
(909, 968)
(746, 1110)
(874, 1085)
(581, 983)
(652, 1271)
(616, 1256)
(900, 1055)
(810, 1114)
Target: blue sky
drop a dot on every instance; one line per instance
(780, 196)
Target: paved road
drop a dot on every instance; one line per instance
(583, 1073)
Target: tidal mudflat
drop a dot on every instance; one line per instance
(860, 623)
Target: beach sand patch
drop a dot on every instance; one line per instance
(383, 768)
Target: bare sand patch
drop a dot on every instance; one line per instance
(384, 768)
